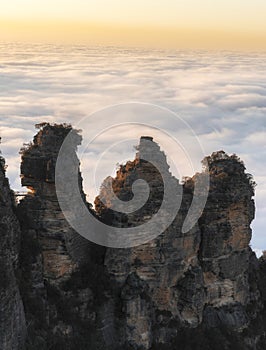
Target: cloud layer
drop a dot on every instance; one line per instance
(221, 95)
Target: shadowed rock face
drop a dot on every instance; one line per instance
(185, 280)
(203, 289)
(156, 280)
(225, 254)
(53, 302)
(40, 213)
(12, 318)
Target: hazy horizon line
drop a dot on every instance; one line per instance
(107, 34)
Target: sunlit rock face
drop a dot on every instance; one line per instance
(12, 317)
(194, 289)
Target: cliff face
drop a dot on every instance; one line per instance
(61, 248)
(53, 255)
(160, 282)
(12, 318)
(202, 289)
(225, 254)
(183, 280)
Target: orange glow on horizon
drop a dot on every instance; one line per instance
(109, 34)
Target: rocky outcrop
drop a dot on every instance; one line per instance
(61, 248)
(201, 288)
(157, 279)
(182, 280)
(52, 253)
(225, 255)
(12, 318)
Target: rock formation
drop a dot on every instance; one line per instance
(185, 280)
(225, 254)
(52, 253)
(152, 278)
(202, 289)
(12, 317)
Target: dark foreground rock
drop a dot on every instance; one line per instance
(12, 317)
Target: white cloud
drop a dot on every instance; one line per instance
(221, 95)
(259, 252)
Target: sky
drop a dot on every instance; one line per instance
(220, 96)
(211, 24)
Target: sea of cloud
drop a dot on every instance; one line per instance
(220, 95)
